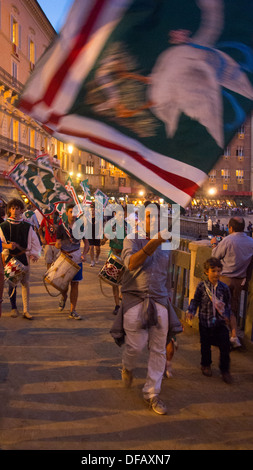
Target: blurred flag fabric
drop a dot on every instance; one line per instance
(37, 181)
(156, 87)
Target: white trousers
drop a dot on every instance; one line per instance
(155, 338)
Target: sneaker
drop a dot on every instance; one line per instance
(97, 261)
(234, 341)
(14, 313)
(157, 405)
(62, 303)
(227, 378)
(168, 370)
(206, 371)
(127, 377)
(27, 315)
(92, 264)
(75, 315)
(115, 311)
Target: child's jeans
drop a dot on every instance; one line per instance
(216, 336)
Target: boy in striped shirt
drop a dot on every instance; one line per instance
(212, 298)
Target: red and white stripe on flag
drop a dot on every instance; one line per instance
(56, 81)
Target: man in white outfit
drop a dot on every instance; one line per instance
(145, 301)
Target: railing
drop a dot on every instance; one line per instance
(23, 150)
(10, 81)
(17, 147)
(181, 263)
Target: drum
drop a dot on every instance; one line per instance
(112, 271)
(13, 271)
(61, 273)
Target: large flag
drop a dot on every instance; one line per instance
(37, 181)
(156, 87)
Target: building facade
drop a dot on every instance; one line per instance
(25, 33)
(231, 179)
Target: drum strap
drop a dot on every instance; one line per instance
(69, 252)
(101, 288)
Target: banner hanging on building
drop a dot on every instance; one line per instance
(157, 88)
(37, 181)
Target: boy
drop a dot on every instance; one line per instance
(66, 242)
(212, 297)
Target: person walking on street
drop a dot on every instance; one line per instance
(19, 241)
(145, 302)
(116, 246)
(47, 232)
(66, 242)
(94, 242)
(236, 253)
(212, 298)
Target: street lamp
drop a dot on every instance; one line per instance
(212, 191)
(70, 149)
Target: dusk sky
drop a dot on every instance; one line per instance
(56, 11)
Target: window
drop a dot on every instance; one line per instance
(239, 173)
(14, 68)
(31, 138)
(122, 181)
(225, 173)
(14, 31)
(240, 176)
(15, 34)
(227, 152)
(102, 163)
(225, 187)
(212, 175)
(89, 170)
(15, 130)
(31, 52)
(102, 180)
(240, 151)
(241, 132)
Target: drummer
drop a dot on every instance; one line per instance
(47, 233)
(70, 246)
(19, 241)
(116, 246)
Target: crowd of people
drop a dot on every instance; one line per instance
(144, 315)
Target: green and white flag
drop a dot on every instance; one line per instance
(86, 191)
(156, 87)
(37, 181)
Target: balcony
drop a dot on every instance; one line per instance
(9, 81)
(17, 148)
